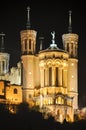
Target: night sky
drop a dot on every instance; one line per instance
(45, 16)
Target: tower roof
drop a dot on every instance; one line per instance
(70, 36)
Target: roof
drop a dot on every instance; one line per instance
(53, 47)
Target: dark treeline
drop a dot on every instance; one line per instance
(31, 119)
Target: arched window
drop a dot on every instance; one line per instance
(56, 80)
(68, 47)
(15, 91)
(30, 44)
(25, 44)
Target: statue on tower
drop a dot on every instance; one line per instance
(53, 37)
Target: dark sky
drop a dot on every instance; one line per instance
(45, 16)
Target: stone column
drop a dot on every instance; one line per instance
(60, 76)
(53, 76)
(64, 80)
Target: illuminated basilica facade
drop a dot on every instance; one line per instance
(48, 79)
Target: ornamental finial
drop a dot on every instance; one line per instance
(70, 22)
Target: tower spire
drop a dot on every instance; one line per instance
(41, 42)
(70, 22)
(2, 42)
(28, 18)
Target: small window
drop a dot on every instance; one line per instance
(30, 44)
(2, 90)
(15, 91)
(29, 95)
(25, 44)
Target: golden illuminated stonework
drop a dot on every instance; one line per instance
(70, 37)
(47, 79)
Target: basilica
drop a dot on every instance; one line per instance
(47, 79)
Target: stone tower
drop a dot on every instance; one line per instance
(29, 62)
(4, 58)
(70, 43)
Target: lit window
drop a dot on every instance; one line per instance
(30, 73)
(72, 64)
(72, 76)
(56, 101)
(59, 100)
(62, 101)
(49, 101)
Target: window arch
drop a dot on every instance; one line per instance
(15, 91)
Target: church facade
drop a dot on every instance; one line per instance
(48, 79)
